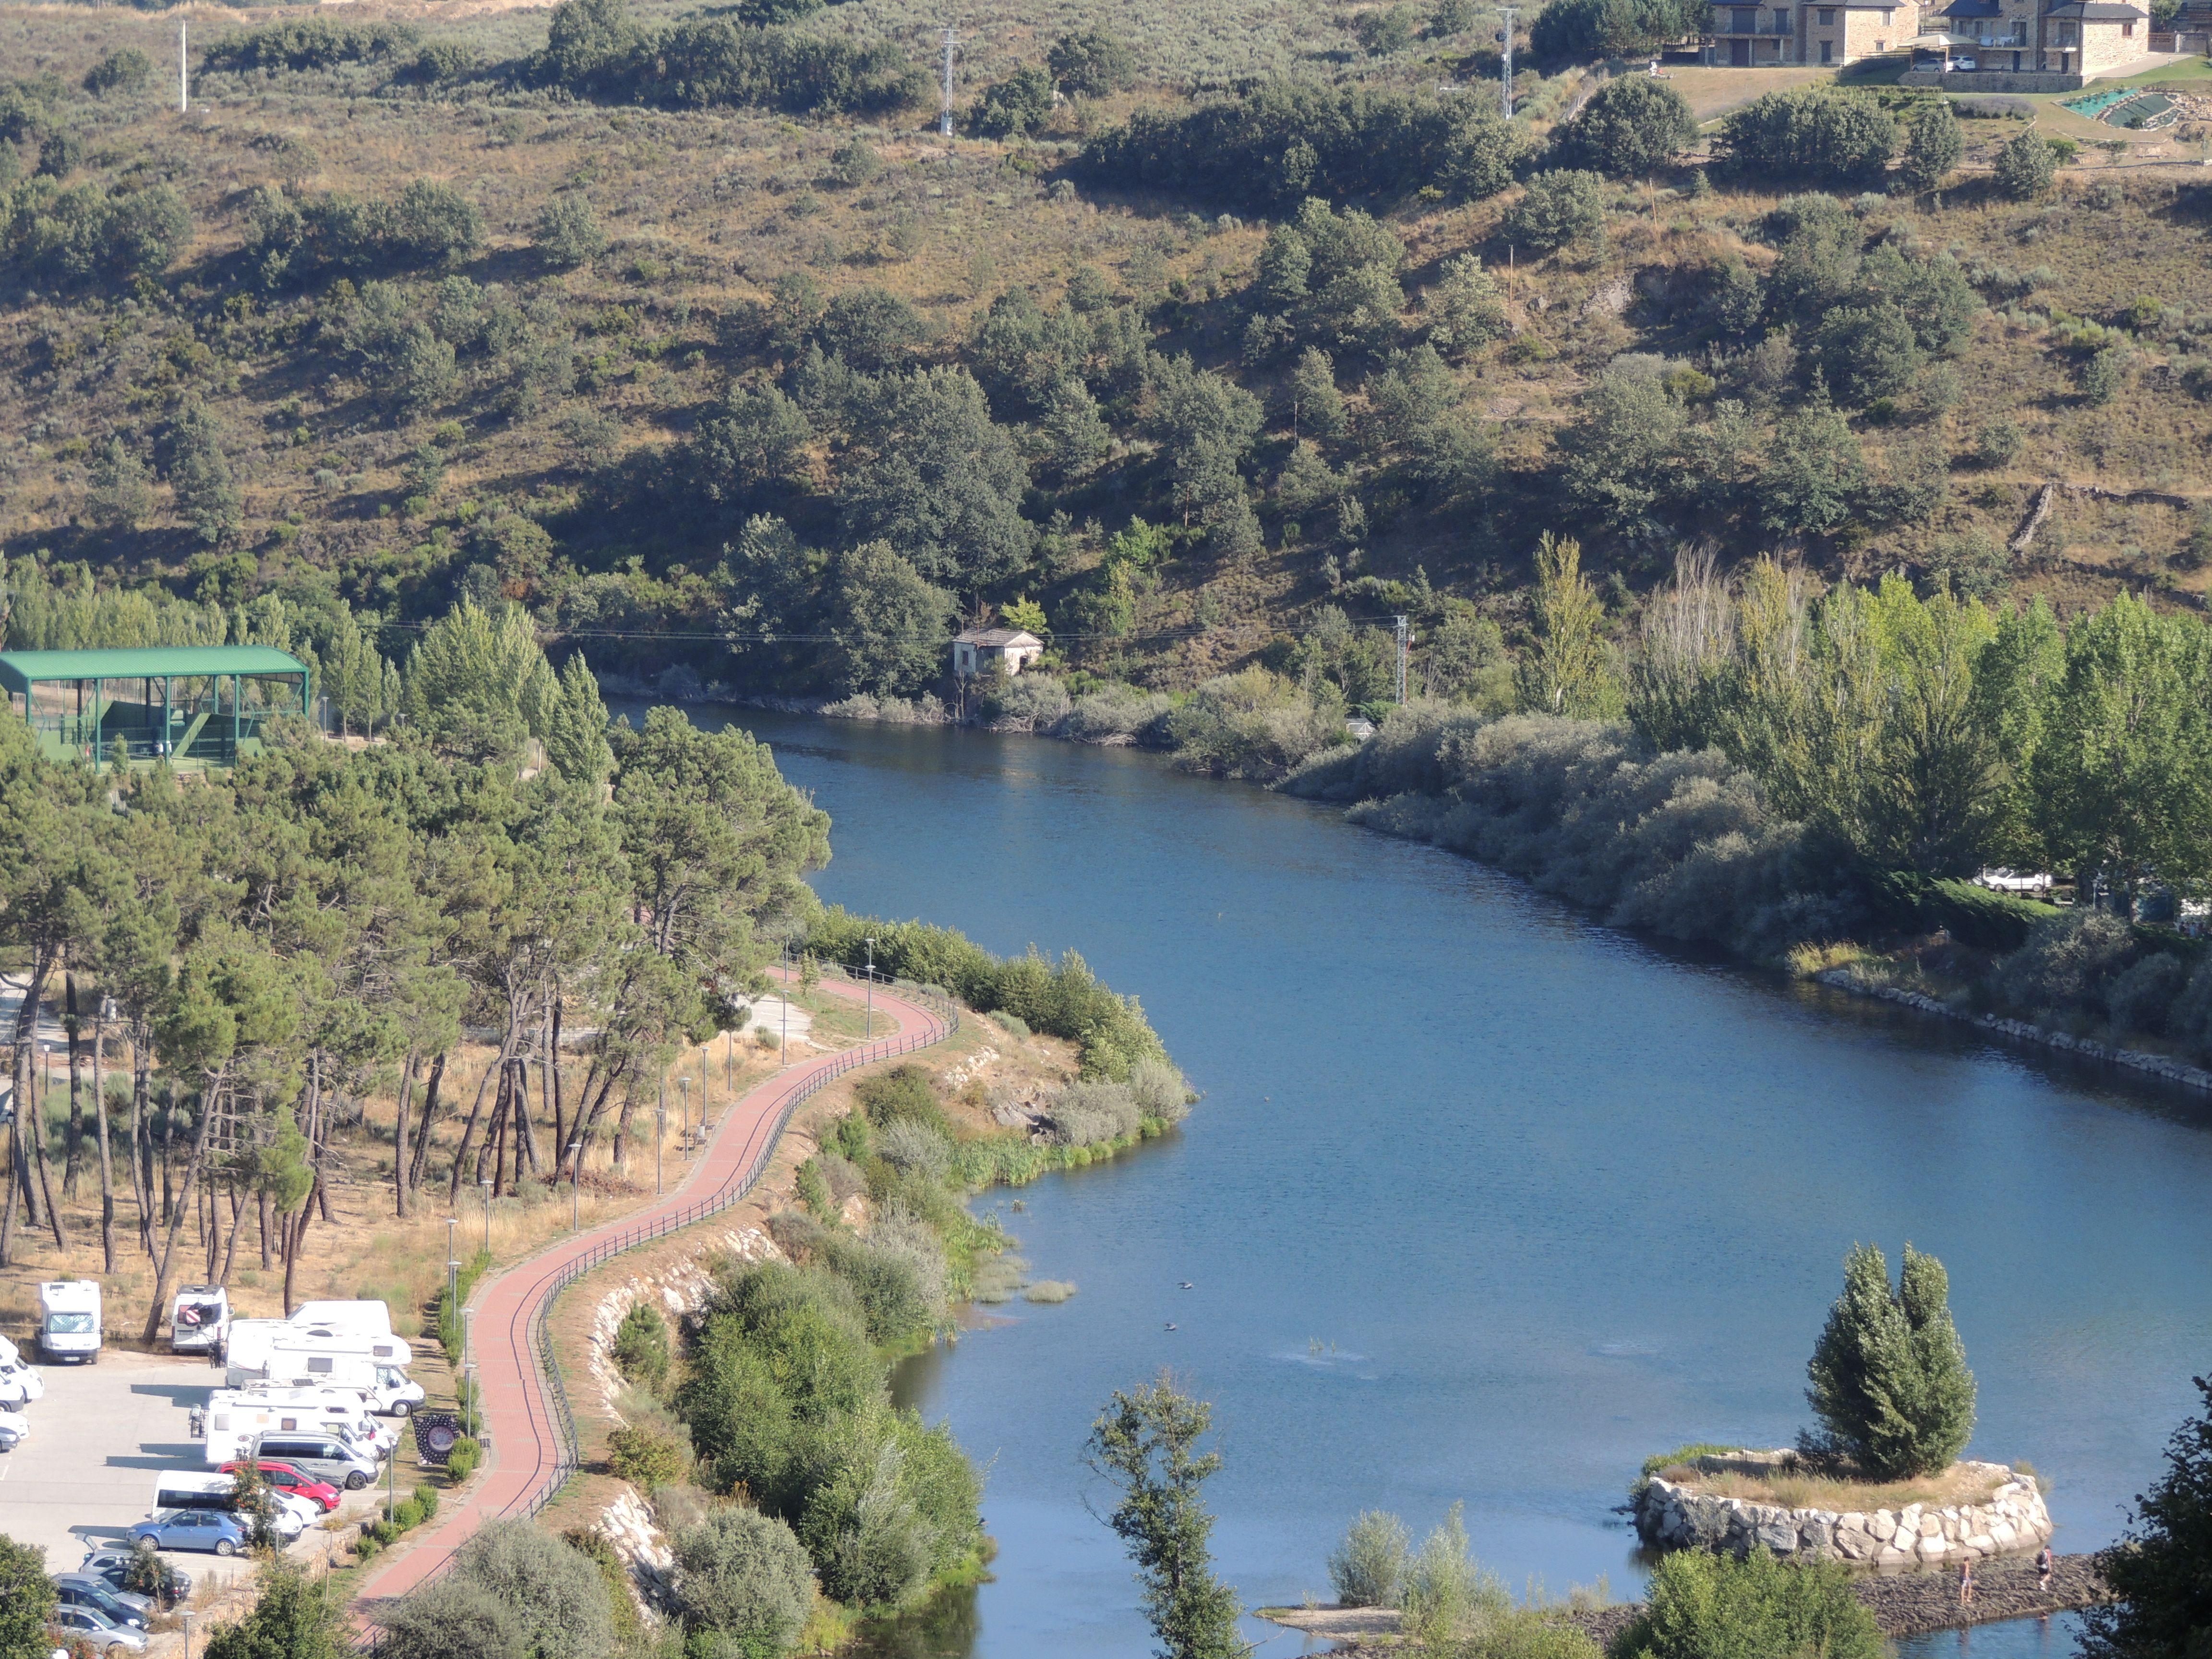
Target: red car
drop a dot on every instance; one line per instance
(292, 1480)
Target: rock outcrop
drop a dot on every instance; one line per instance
(1678, 1516)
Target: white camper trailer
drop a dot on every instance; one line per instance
(69, 1320)
(200, 1320)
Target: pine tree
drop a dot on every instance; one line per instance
(200, 475)
(121, 497)
(1890, 1382)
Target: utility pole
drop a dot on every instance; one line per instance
(1506, 12)
(871, 991)
(1402, 638)
(945, 118)
(183, 74)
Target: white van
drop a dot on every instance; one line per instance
(199, 1320)
(69, 1320)
(19, 1384)
(175, 1489)
(253, 1342)
(360, 1318)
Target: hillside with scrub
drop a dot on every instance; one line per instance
(1213, 338)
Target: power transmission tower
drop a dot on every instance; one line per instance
(1506, 12)
(1403, 636)
(945, 118)
(183, 74)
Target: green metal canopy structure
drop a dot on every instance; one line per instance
(201, 705)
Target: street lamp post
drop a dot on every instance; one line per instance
(188, 1635)
(683, 1116)
(486, 1185)
(576, 1185)
(871, 988)
(659, 1135)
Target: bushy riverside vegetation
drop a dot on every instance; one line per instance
(1783, 772)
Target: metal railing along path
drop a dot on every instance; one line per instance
(736, 1187)
(529, 1334)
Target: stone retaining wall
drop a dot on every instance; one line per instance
(1674, 1515)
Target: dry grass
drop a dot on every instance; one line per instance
(364, 1248)
(1958, 1485)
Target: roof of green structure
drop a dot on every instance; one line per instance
(18, 669)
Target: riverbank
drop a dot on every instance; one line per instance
(1902, 1604)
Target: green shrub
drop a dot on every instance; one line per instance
(2027, 166)
(902, 1094)
(812, 1190)
(125, 69)
(640, 1346)
(1093, 63)
(1445, 1588)
(569, 232)
(1368, 1569)
(1560, 207)
(426, 1500)
(461, 1461)
(1018, 104)
(1828, 134)
(647, 1459)
(1890, 1383)
(555, 1593)
(745, 1575)
(1702, 1605)
(1631, 128)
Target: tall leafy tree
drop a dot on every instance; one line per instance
(1569, 668)
(1146, 1444)
(2124, 770)
(2161, 1605)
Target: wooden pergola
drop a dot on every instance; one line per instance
(162, 702)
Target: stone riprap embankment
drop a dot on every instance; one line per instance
(2158, 1066)
(1678, 1515)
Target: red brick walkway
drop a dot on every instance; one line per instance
(526, 1449)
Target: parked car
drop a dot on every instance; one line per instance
(1965, 63)
(112, 1566)
(324, 1456)
(79, 1589)
(9, 1440)
(287, 1477)
(140, 1608)
(83, 1625)
(15, 1423)
(192, 1529)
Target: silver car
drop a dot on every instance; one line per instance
(82, 1589)
(112, 1566)
(97, 1632)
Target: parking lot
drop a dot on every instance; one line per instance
(98, 1439)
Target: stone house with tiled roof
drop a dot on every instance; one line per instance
(2083, 38)
(1807, 32)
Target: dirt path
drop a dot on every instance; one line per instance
(528, 1454)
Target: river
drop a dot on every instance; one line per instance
(1484, 1202)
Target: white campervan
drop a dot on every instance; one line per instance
(254, 1343)
(337, 1411)
(362, 1318)
(68, 1319)
(200, 1320)
(19, 1384)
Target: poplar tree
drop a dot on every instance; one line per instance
(1568, 670)
(1145, 1443)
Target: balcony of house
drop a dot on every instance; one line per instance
(1748, 25)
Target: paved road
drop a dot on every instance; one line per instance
(527, 1452)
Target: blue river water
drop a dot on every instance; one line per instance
(1484, 1201)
